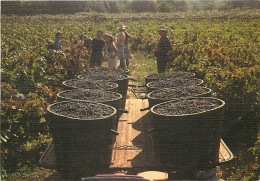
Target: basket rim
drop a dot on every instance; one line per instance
(64, 83)
(149, 84)
(183, 115)
(60, 96)
(196, 95)
(125, 70)
(147, 76)
(124, 75)
(94, 119)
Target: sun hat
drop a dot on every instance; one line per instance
(162, 28)
(122, 27)
(58, 32)
(109, 34)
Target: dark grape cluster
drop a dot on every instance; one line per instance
(170, 75)
(90, 84)
(103, 74)
(171, 83)
(82, 110)
(179, 92)
(122, 71)
(90, 95)
(187, 106)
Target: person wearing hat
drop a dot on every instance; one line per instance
(162, 49)
(111, 51)
(121, 46)
(127, 52)
(57, 42)
(96, 50)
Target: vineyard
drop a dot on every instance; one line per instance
(222, 49)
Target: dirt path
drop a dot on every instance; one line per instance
(140, 66)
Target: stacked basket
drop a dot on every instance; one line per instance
(186, 120)
(84, 123)
(120, 77)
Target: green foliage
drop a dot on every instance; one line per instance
(115, 6)
(226, 56)
(32, 74)
(95, 6)
(142, 65)
(31, 173)
(249, 169)
(222, 52)
(163, 6)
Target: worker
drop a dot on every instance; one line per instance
(57, 42)
(111, 51)
(96, 50)
(162, 49)
(121, 46)
(127, 52)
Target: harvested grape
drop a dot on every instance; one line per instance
(160, 84)
(179, 92)
(102, 74)
(187, 106)
(82, 110)
(90, 84)
(90, 95)
(170, 75)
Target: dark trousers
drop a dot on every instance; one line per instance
(161, 64)
(96, 59)
(121, 56)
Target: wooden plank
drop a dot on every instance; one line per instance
(125, 150)
(133, 135)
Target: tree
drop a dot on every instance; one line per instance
(252, 3)
(195, 6)
(95, 6)
(152, 6)
(143, 6)
(237, 4)
(164, 6)
(114, 7)
(208, 6)
(181, 5)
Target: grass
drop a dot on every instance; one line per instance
(245, 165)
(30, 173)
(141, 65)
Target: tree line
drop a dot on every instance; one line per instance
(116, 6)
